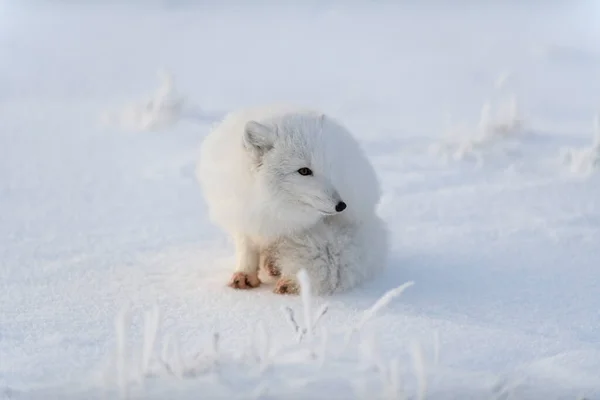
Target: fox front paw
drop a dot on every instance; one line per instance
(287, 286)
(242, 280)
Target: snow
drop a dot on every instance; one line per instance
(478, 117)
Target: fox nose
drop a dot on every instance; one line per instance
(341, 206)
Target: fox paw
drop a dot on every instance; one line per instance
(286, 286)
(242, 280)
(271, 268)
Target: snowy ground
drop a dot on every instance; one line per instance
(496, 219)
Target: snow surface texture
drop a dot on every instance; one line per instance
(479, 120)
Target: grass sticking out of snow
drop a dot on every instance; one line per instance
(585, 160)
(312, 350)
(159, 111)
(499, 123)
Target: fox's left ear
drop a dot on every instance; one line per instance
(258, 138)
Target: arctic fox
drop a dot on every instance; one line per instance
(295, 191)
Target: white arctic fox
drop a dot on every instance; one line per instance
(295, 191)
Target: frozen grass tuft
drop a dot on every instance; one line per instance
(381, 303)
(499, 122)
(122, 323)
(151, 324)
(586, 160)
(419, 366)
(158, 111)
(163, 109)
(269, 368)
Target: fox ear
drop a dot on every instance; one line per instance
(258, 138)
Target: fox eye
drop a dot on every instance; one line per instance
(305, 171)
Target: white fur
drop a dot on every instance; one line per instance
(248, 172)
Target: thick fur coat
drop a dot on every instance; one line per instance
(295, 191)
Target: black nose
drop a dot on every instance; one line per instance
(341, 206)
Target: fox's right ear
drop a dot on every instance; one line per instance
(258, 138)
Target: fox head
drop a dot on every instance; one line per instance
(292, 171)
